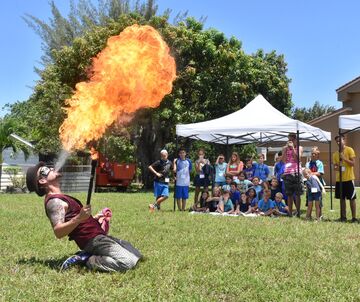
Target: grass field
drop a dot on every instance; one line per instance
(188, 257)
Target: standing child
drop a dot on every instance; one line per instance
(201, 178)
(249, 169)
(234, 166)
(281, 208)
(313, 193)
(182, 168)
(261, 170)
(266, 205)
(220, 171)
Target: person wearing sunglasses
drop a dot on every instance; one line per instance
(70, 218)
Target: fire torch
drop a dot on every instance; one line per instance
(94, 157)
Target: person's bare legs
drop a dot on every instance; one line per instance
(318, 209)
(309, 209)
(353, 208)
(298, 204)
(343, 209)
(183, 204)
(160, 199)
(290, 204)
(178, 201)
(196, 196)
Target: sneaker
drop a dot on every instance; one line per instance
(153, 207)
(341, 219)
(354, 220)
(79, 259)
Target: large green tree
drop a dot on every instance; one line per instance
(306, 114)
(214, 77)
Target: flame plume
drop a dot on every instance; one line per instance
(135, 70)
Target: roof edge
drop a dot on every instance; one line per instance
(348, 84)
(329, 115)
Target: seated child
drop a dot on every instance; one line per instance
(266, 205)
(313, 193)
(281, 209)
(243, 205)
(252, 200)
(228, 181)
(201, 205)
(234, 193)
(274, 187)
(243, 184)
(225, 204)
(213, 201)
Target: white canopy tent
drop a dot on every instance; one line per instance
(258, 122)
(349, 122)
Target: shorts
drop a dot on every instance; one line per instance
(201, 182)
(182, 192)
(282, 210)
(161, 189)
(313, 196)
(348, 190)
(292, 184)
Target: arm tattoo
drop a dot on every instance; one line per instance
(55, 210)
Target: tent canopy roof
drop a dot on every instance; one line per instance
(257, 122)
(349, 122)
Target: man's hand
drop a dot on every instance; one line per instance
(85, 213)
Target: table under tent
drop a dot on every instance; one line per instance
(259, 123)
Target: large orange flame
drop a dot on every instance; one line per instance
(135, 70)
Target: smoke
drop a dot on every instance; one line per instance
(61, 160)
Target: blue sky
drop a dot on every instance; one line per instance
(319, 39)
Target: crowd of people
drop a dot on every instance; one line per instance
(251, 189)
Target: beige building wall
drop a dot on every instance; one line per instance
(349, 95)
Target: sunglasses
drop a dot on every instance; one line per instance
(44, 171)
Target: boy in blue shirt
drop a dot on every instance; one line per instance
(281, 208)
(249, 169)
(261, 170)
(266, 205)
(182, 169)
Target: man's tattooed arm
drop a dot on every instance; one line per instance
(55, 210)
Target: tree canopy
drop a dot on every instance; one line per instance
(214, 76)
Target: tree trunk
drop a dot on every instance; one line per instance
(149, 139)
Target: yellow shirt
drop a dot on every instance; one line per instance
(347, 170)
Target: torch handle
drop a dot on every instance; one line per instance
(91, 183)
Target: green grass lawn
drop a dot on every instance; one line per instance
(188, 257)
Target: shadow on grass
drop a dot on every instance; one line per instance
(54, 264)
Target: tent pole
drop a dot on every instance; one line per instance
(342, 201)
(298, 201)
(331, 190)
(176, 150)
(227, 149)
